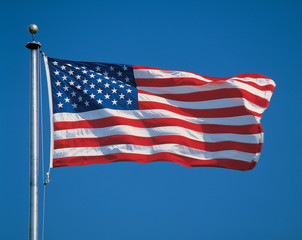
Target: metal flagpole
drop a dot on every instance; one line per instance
(34, 135)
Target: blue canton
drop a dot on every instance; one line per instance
(84, 86)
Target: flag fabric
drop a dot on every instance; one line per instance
(103, 113)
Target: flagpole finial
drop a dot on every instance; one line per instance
(33, 29)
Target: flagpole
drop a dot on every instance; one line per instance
(34, 136)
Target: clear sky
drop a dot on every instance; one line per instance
(157, 200)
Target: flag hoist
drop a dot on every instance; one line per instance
(34, 135)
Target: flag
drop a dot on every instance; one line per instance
(104, 113)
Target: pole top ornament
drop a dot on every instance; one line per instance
(33, 29)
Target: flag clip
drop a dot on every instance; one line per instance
(47, 179)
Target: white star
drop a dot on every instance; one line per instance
(59, 94)
(113, 81)
(125, 68)
(129, 90)
(77, 68)
(87, 103)
(65, 88)
(121, 86)
(78, 76)
(67, 99)
(92, 75)
(85, 91)
(58, 83)
(69, 65)
(119, 73)
(114, 102)
(122, 96)
(83, 67)
(99, 74)
(100, 101)
(97, 68)
(57, 72)
(92, 85)
(129, 102)
(114, 90)
(71, 83)
(85, 81)
(99, 80)
(106, 77)
(70, 72)
(64, 77)
(60, 105)
(127, 79)
(84, 71)
(100, 90)
(107, 96)
(73, 94)
(80, 99)
(106, 74)
(111, 68)
(55, 63)
(92, 96)
(74, 105)
(79, 86)
(107, 85)
(63, 67)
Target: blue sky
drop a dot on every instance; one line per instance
(157, 200)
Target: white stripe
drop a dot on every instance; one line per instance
(253, 107)
(149, 150)
(258, 81)
(154, 132)
(245, 86)
(263, 94)
(152, 73)
(158, 74)
(229, 84)
(151, 114)
(210, 104)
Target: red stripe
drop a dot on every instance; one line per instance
(199, 113)
(172, 82)
(167, 82)
(243, 75)
(157, 122)
(212, 95)
(146, 141)
(140, 67)
(163, 157)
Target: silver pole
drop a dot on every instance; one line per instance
(34, 136)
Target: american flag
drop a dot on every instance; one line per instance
(105, 113)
